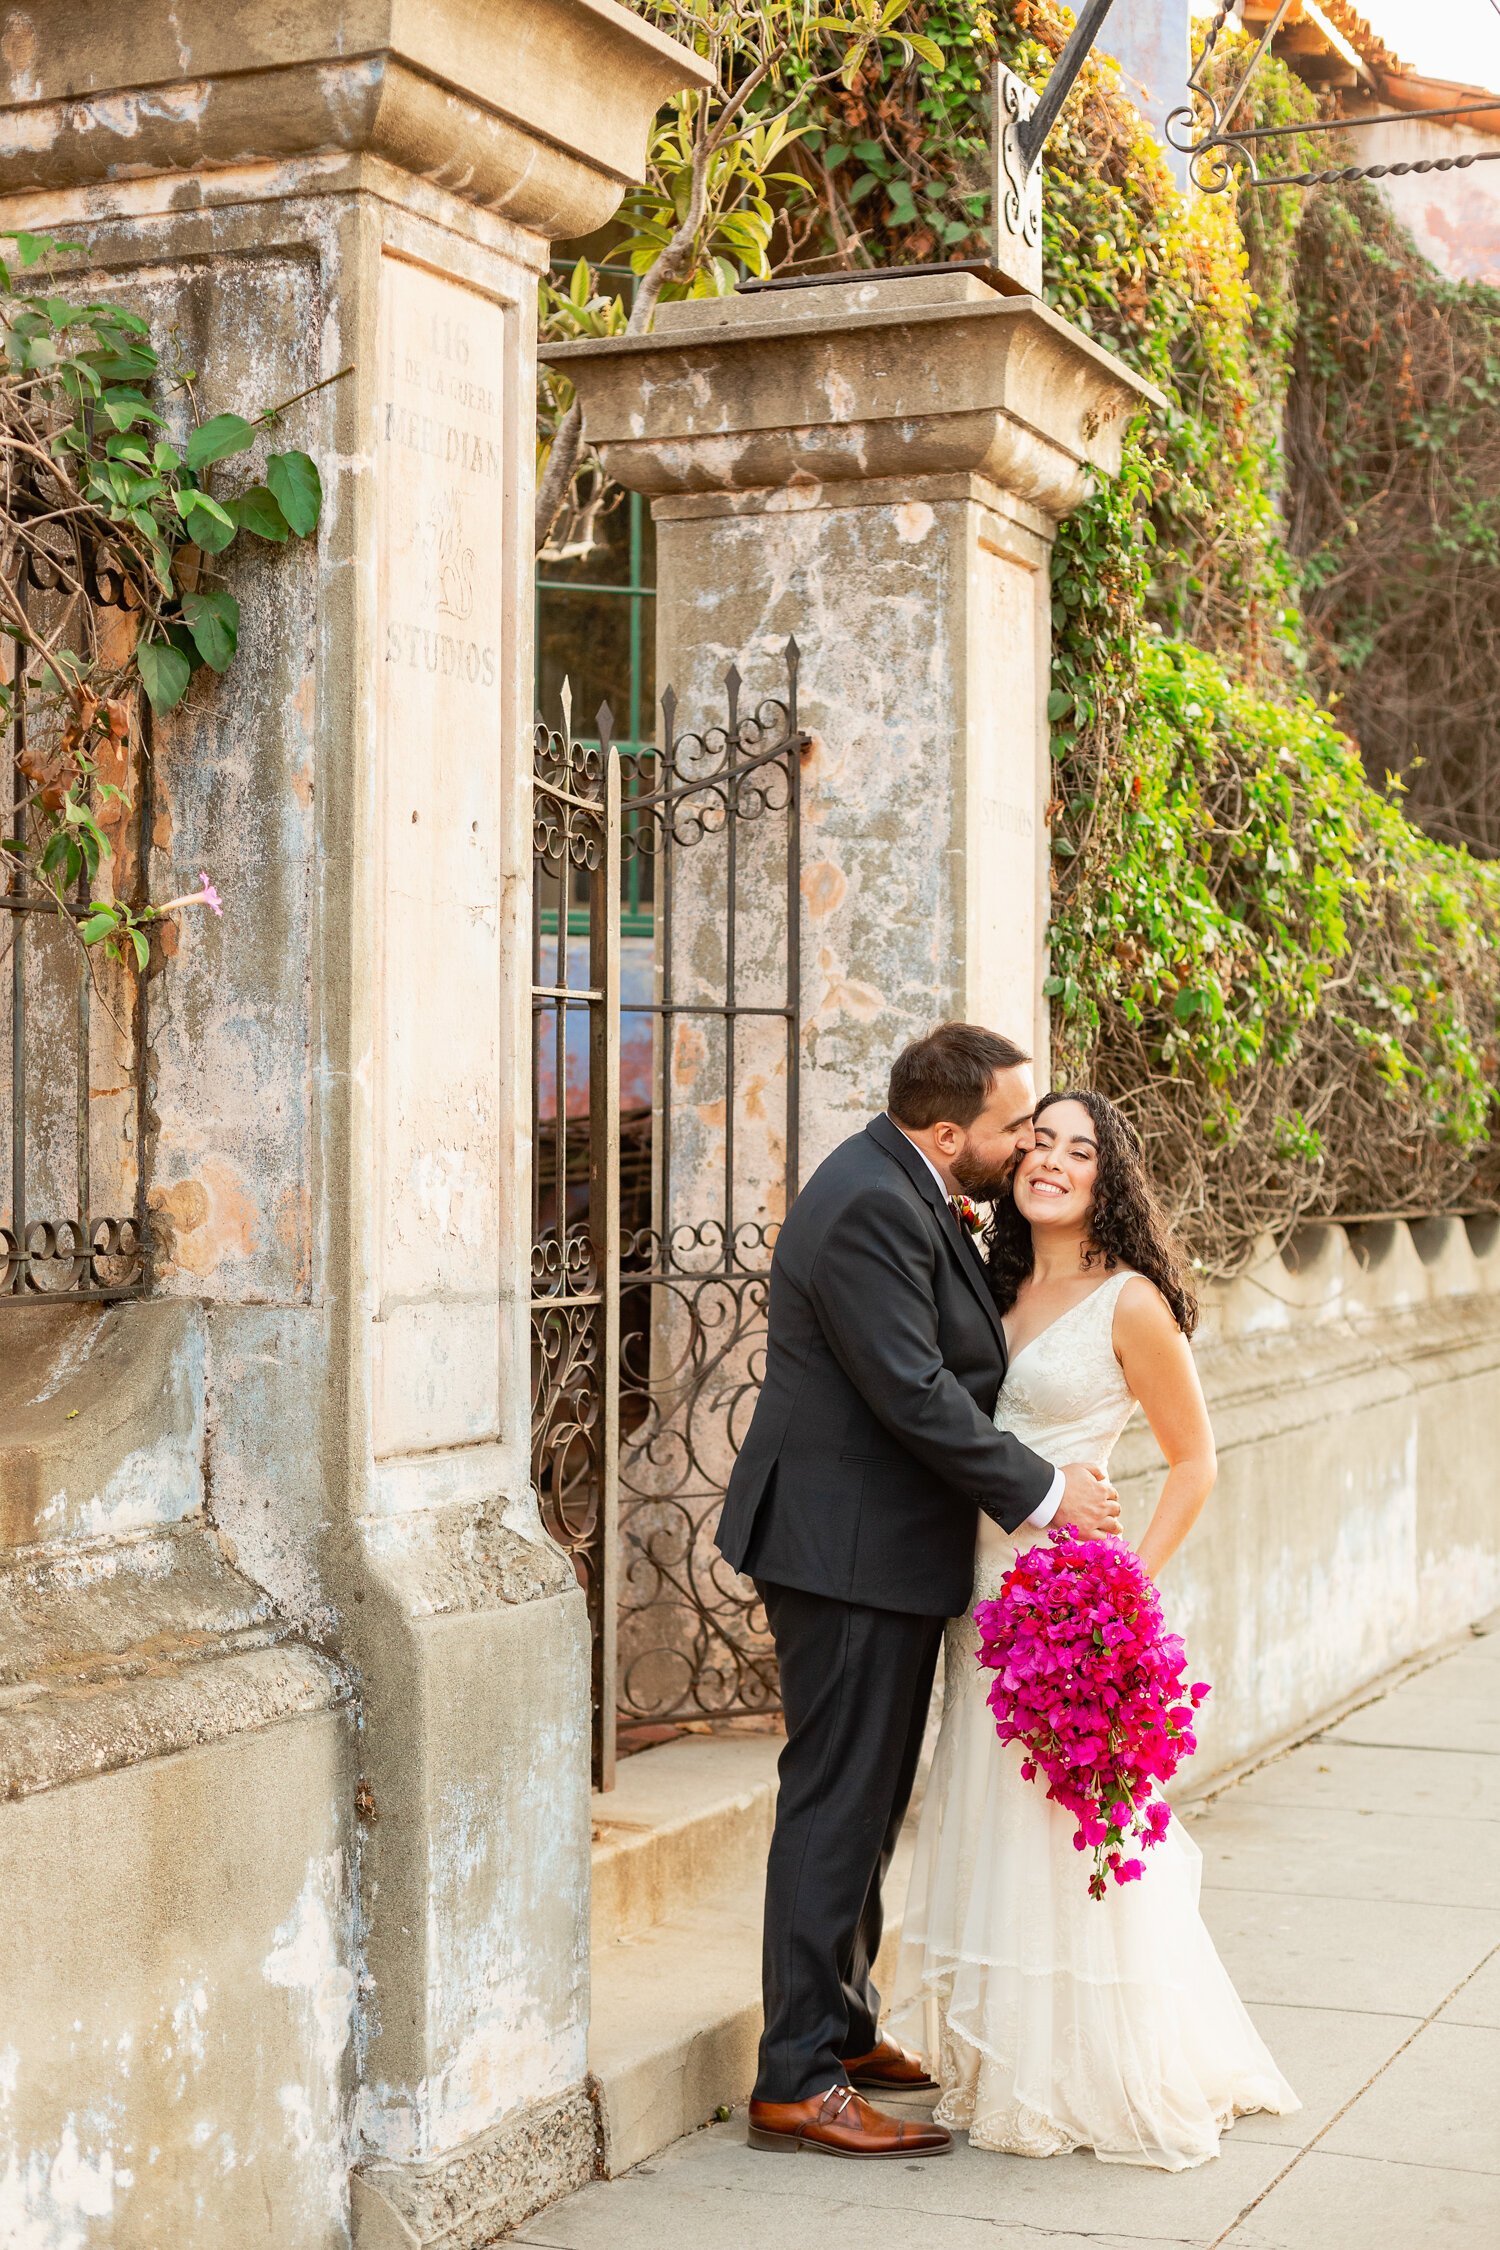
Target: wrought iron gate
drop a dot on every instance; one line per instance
(72, 1076)
(718, 812)
(656, 1207)
(575, 1214)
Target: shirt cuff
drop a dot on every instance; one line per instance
(1042, 1516)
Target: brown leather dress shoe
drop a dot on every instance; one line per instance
(889, 2069)
(838, 2123)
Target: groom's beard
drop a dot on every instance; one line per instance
(984, 1182)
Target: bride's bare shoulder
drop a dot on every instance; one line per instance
(1143, 1319)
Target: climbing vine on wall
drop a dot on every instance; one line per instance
(114, 521)
(1393, 505)
(1290, 986)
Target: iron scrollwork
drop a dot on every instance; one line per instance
(574, 1129)
(66, 1067)
(718, 812)
(648, 1317)
(1219, 151)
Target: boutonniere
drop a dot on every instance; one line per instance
(967, 1214)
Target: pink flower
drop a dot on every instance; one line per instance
(1091, 1686)
(206, 896)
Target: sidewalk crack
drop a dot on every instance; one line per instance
(1339, 2114)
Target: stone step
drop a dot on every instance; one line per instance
(684, 1821)
(680, 1878)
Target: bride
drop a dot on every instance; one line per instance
(1052, 2021)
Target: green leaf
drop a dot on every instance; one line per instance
(103, 922)
(216, 440)
(62, 668)
(258, 510)
(294, 479)
(214, 622)
(125, 407)
(165, 673)
(142, 948)
(209, 524)
(32, 248)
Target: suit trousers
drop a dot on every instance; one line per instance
(855, 1687)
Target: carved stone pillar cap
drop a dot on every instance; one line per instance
(853, 381)
(535, 109)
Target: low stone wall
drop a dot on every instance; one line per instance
(177, 1824)
(1354, 1384)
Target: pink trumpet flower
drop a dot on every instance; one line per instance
(207, 896)
(1091, 1686)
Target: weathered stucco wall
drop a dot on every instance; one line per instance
(302, 1488)
(176, 1822)
(176, 2062)
(1354, 1384)
(334, 1072)
(1454, 217)
(921, 882)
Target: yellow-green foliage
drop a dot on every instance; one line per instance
(1291, 988)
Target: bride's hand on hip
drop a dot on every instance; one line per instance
(1089, 1503)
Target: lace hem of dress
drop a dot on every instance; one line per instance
(1014, 2128)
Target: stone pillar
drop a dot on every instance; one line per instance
(877, 467)
(339, 1070)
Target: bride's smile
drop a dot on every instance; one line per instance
(1055, 1178)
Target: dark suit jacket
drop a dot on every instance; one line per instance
(872, 1448)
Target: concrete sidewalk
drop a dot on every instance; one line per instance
(1353, 1888)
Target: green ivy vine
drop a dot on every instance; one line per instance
(1290, 987)
(102, 490)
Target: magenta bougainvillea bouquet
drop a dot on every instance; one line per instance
(1091, 1685)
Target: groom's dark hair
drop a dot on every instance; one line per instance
(945, 1077)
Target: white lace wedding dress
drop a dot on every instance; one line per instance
(1053, 2021)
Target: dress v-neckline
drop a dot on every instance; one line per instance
(1011, 1357)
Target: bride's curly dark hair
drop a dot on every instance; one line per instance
(1126, 1226)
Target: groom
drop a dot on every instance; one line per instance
(854, 1505)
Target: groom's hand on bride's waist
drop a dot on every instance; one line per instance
(1089, 1502)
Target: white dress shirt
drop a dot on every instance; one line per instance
(1043, 1515)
